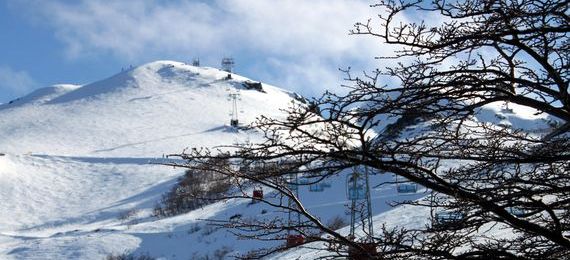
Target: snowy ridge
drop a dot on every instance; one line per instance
(157, 108)
(41, 95)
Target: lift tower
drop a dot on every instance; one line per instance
(294, 218)
(358, 192)
(234, 97)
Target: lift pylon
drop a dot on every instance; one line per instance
(294, 218)
(234, 97)
(358, 192)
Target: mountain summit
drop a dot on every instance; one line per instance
(159, 107)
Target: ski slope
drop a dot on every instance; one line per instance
(160, 107)
(79, 179)
(78, 158)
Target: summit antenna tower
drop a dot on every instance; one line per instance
(228, 64)
(196, 62)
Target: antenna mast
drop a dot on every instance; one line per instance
(196, 62)
(228, 64)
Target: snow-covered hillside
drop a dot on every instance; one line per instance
(513, 116)
(77, 180)
(77, 157)
(156, 108)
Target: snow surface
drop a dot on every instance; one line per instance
(78, 179)
(80, 157)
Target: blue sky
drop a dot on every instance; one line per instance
(295, 44)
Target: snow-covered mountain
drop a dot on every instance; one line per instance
(77, 179)
(160, 107)
(77, 157)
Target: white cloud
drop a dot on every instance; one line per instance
(15, 82)
(131, 29)
(295, 32)
(310, 76)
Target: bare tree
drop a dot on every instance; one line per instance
(198, 187)
(424, 128)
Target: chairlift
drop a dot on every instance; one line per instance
(516, 211)
(406, 186)
(257, 194)
(368, 249)
(295, 240)
(447, 218)
(316, 187)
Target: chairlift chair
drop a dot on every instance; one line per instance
(368, 250)
(257, 194)
(295, 240)
(316, 187)
(447, 218)
(407, 187)
(516, 211)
